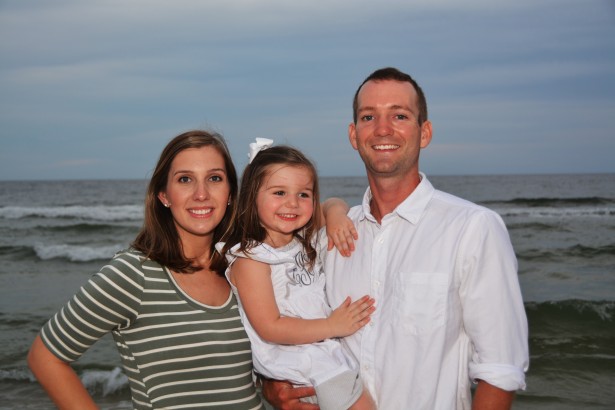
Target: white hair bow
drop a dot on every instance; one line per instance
(261, 144)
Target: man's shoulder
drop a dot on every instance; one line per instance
(454, 200)
(356, 212)
(456, 203)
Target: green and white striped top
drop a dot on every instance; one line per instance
(177, 353)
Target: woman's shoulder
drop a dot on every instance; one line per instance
(133, 262)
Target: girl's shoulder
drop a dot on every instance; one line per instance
(268, 254)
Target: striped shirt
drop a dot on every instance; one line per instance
(177, 353)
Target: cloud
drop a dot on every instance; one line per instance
(115, 80)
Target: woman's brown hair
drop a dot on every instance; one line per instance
(158, 238)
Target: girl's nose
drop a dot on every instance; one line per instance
(292, 201)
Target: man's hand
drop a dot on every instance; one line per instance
(283, 396)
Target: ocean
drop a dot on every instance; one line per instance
(55, 234)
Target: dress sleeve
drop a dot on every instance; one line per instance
(109, 300)
(493, 312)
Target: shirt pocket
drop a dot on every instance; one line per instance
(421, 300)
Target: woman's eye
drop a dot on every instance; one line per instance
(184, 179)
(216, 178)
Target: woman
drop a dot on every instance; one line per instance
(174, 319)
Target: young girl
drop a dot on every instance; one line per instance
(273, 268)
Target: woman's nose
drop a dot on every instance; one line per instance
(201, 193)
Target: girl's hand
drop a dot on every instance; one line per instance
(341, 232)
(350, 317)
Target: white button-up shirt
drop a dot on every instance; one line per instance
(448, 304)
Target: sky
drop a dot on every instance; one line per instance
(95, 89)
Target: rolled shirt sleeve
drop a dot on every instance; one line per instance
(493, 312)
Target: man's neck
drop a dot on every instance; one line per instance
(388, 193)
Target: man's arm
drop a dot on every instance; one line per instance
(489, 397)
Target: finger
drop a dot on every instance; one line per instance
(299, 392)
(353, 231)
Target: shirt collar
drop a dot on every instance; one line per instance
(411, 208)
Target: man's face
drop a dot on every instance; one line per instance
(387, 133)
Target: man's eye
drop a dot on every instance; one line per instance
(367, 117)
(401, 117)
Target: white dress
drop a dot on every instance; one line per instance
(299, 293)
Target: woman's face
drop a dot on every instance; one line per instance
(197, 192)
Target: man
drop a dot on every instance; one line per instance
(442, 271)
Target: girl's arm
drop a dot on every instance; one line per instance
(253, 282)
(341, 232)
(58, 379)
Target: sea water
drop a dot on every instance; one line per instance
(55, 234)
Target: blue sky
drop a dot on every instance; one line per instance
(94, 90)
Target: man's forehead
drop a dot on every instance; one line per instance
(388, 93)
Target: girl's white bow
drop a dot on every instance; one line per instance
(261, 144)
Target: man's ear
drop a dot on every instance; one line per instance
(426, 134)
(352, 135)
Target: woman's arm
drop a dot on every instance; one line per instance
(341, 232)
(58, 379)
(255, 290)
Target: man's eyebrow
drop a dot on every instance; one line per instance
(390, 107)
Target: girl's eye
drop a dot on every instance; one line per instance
(304, 195)
(279, 193)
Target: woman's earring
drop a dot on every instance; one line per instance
(167, 205)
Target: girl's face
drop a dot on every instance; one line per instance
(197, 192)
(285, 202)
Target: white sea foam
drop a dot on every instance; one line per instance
(76, 253)
(552, 212)
(98, 212)
(109, 382)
